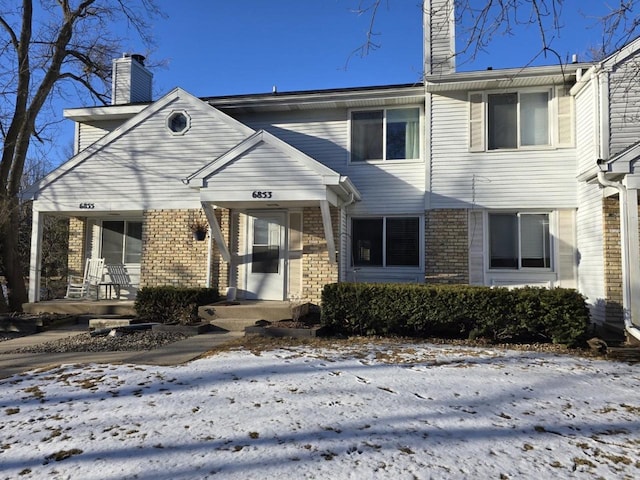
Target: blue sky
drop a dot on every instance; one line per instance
(222, 47)
(228, 47)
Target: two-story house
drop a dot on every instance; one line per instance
(486, 177)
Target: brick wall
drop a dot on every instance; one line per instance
(612, 260)
(76, 253)
(220, 269)
(316, 269)
(170, 255)
(446, 246)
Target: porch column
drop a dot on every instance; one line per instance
(216, 232)
(328, 230)
(36, 256)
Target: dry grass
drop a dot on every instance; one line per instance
(394, 346)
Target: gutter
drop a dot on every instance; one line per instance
(629, 327)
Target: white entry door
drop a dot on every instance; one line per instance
(267, 248)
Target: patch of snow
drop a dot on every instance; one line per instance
(369, 411)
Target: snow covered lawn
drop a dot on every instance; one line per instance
(379, 410)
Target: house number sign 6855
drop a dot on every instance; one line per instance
(258, 194)
(87, 205)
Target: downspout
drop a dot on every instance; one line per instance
(629, 327)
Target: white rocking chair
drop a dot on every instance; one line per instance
(82, 287)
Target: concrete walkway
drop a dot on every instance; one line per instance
(170, 354)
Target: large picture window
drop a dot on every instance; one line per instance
(391, 134)
(121, 242)
(386, 241)
(519, 240)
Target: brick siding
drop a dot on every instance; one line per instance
(446, 246)
(612, 260)
(170, 254)
(76, 252)
(316, 269)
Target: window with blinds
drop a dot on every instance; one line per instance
(386, 241)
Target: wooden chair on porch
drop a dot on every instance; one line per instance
(83, 287)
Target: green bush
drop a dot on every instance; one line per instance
(171, 304)
(456, 311)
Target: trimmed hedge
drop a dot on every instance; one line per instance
(171, 304)
(457, 311)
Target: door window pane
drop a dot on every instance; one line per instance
(367, 241)
(121, 242)
(133, 243)
(503, 117)
(534, 118)
(403, 242)
(366, 135)
(265, 257)
(112, 241)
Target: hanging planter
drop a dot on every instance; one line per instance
(199, 235)
(199, 230)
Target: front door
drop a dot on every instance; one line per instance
(266, 251)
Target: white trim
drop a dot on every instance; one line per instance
(216, 233)
(328, 231)
(36, 256)
(175, 113)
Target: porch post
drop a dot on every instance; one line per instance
(36, 256)
(216, 232)
(328, 230)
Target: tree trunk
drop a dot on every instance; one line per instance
(11, 258)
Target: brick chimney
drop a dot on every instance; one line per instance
(439, 37)
(131, 81)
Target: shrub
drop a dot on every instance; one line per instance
(173, 305)
(456, 311)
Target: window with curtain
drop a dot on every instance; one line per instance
(516, 119)
(121, 242)
(519, 240)
(386, 241)
(391, 134)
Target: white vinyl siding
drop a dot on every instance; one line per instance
(586, 129)
(589, 232)
(386, 187)
(265, 168)
(527, 178)
(90, 132)
(144, 167)
(624, 104)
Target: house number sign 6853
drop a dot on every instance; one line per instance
(258, 194)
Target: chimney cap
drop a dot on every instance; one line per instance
(135, 56)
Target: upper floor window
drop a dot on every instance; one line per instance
(386, 242)
(387, 134)
(519, 240)
(520, 120)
